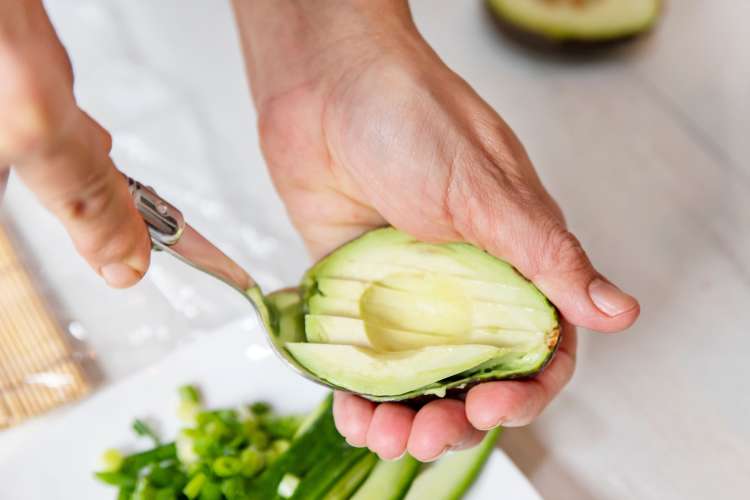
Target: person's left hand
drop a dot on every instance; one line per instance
(362, 125)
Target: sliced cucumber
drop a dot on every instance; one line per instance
(389, 480)
(353, 478)
(451, 476)
(328, 471)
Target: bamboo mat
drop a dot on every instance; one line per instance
(38, 369)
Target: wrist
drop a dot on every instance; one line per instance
(288, 43)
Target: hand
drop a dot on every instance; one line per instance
(362, 125)
(59, 151)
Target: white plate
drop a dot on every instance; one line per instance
(54, 457)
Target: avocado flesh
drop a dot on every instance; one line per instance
(351, 331)
(393, 318)
(366, 371)
(581, 20)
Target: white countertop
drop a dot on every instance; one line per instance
(646, 151)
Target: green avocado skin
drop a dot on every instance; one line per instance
(563, 37)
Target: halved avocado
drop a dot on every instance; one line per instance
(586, 21)
(393, 318)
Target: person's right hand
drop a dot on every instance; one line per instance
(363, 125)
(59, 151)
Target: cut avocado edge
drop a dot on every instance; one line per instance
(528, 26)
(371, 373)
(463, 382)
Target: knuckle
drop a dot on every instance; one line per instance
(30, 117)
(91, 200)
(89, 210)
(279, 131)
(469, 202)
(562, 252)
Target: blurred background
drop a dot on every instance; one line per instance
(644, 147)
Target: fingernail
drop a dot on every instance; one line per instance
(609, 299)
(445, 450)
(489, 427)
(394, 458)
(119, 275)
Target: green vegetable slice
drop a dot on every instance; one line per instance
(389, 480)
(352, 479)
(451, 476)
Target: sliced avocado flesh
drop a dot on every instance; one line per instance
(398, 305)
(584, 20)
(368, 372)
(336, 330)
(286, 316)
(344, 330)
(322, 304)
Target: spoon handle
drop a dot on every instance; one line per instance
(169, 232)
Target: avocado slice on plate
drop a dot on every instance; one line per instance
(588, 21)
(393, 318)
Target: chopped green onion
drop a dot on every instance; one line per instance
(143, 429)
(166, 475)
(187, 411)
(143, 490)
(134, 463)
(166, 494)
(189, 393)
(186, 449)
(280, 446)
(260, 408)
(227, 466)
(250, 424)
(125, 493)
(116, 479)
(234, 488)
(282, 427)
(211, 491)
(288, 485)
(259, 439)
(216, 429)
(252, 462)
(229, 417)
(194, 486)
(111, 460)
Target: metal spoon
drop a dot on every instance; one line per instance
(170, 233)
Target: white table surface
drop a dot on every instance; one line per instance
(646, 151)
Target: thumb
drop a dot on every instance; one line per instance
(76, 180)
(530, 233)
(561, 269)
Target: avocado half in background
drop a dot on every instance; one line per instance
(575, 23)
(393, 318)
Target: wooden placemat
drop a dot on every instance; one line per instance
(38, 369)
